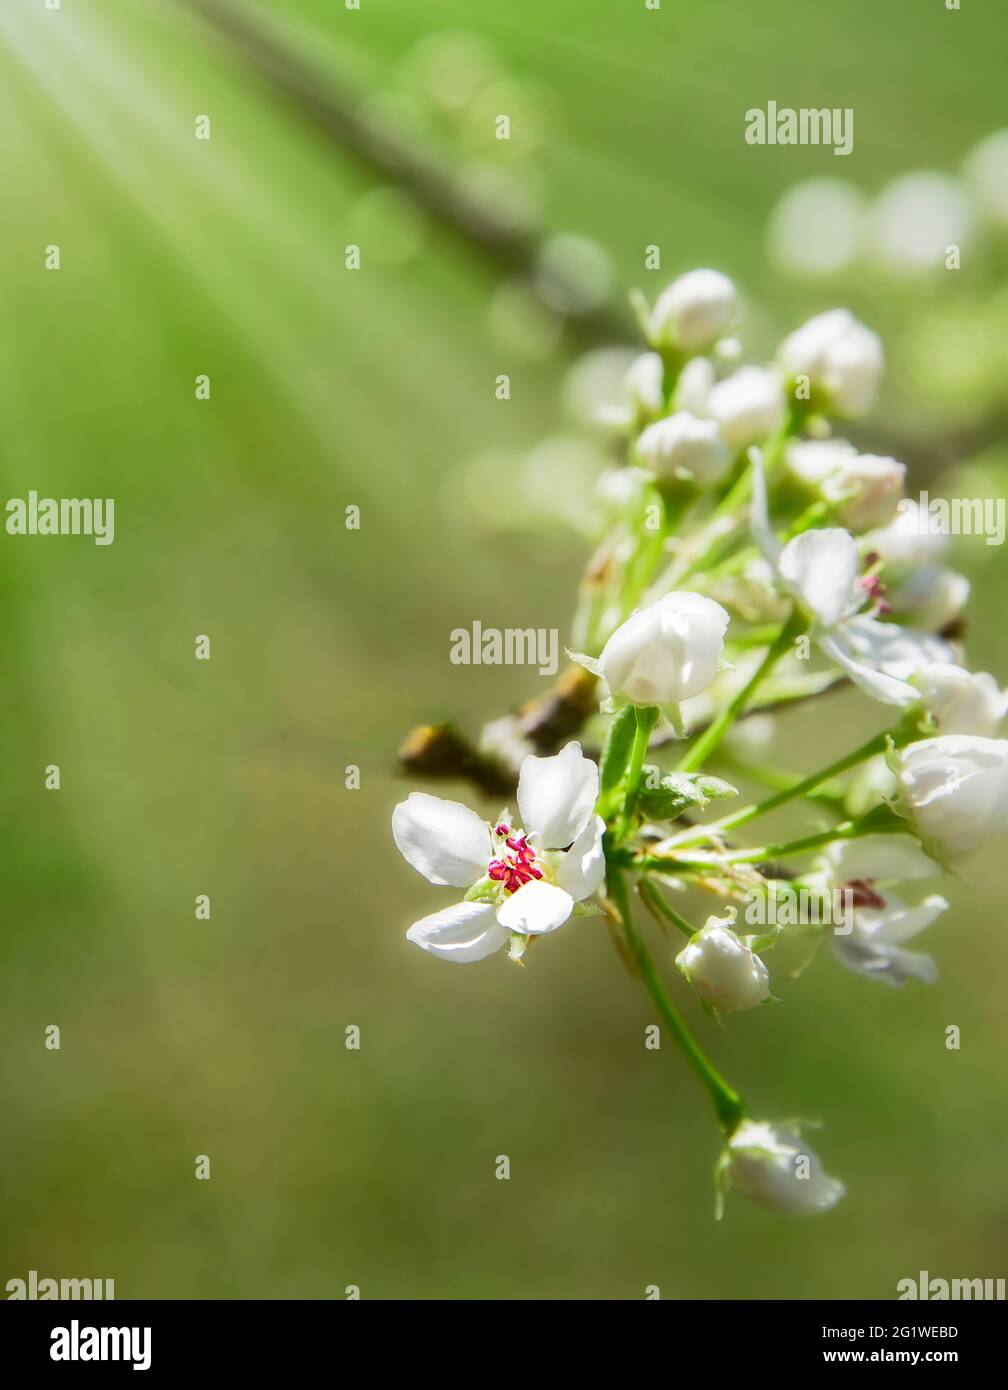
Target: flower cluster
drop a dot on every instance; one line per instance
(752, 558)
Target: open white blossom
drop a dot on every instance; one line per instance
(821, 568)
(523, 882)
(842, 359)
(771, 1165)
(955, 790)
(872, 871)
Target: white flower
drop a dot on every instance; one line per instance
(842, 359)
(664, 653)
(523, 882)
(955, 790)
(696, 381)
(933, 596)
(693, 311)
(747, 406)
(909, 540)
(867, 487)
(962, 702)
(821, 569)
(642, 393)
(878, 921)
(683, 447)
(722, 969)
(770, 1165)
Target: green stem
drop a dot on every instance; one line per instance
(728, 1105)
(881, 820)
(647, 717)
(704, 745)
(654, 900)
(776, 779)
(898, 736)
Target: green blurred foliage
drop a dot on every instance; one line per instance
(330, 388)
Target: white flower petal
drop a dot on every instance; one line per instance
(821, 567)
(582, 868)
(443, 840)
(465, 932)
(537, 907)
(556, 796)
(874, 683)
(901, 923)
(898, 651)
(879, 859)
(759, 513)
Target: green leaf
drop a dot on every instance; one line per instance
(616, 757)
(665, 795)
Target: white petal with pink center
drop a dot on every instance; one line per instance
(521, 883)
(820, 569)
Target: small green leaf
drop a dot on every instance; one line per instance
(665, 795)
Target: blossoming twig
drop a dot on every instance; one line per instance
(791, 548)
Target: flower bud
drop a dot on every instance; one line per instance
(866, 488)
(930, 597)
(693, 311)
(641, 394)
(955, 790)
(960, 701)
(770, 1165)
(683, 447)
(722, 969)
(667, 652)
(842, 359)
(696, 381)
(747, 406)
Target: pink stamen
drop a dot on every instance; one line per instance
(519, 867)
(502, 829)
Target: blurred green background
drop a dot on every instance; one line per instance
(331, 388)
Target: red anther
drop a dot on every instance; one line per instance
(498, 869)
(863, 893)
(502, 829)
(536, 873)
(872, 558)
(516, 842)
